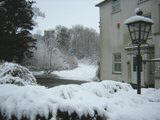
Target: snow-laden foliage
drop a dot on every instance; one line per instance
(59, 48)
(113, 100)
(11, 73)
(84, 42)
(62, 62)
(52, 51)
(32, 100)
(38, 12)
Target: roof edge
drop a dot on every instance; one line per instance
(101, 3)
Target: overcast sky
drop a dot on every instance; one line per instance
(67, 13)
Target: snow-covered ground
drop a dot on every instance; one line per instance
(84, 72)
(38, 73)
(114, 100)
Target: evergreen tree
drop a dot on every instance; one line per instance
(16, 22)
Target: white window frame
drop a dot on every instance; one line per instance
(117, 61)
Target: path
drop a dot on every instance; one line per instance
(51, 81)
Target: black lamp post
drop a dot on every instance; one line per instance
(139, 28)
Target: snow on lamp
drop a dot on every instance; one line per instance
(139, 28)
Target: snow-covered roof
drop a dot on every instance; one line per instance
(138, 18)
(99, 2)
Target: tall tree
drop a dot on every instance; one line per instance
(84, 42)
(63, 37)
(16, 22)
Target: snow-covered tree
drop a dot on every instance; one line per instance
(16, 22)
(38, 12)
(62, 37)
(84, 42)
(59, 48)
(49, 54)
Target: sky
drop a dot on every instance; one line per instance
(67, 13)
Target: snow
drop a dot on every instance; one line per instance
(83, 72)
(137, 10)
(138, 18)
(38, 73)
(99, 1)
(114, 100)
(11, 73)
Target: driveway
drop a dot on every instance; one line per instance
(54, 81)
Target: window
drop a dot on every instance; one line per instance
(117, 63)
(116, 6)
(142, 1)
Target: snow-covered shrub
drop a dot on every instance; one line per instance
(11, 73)
(74, 116)
(107, 100)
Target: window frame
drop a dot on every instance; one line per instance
(117, 62)
(116, 6)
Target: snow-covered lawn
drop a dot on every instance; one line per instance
(83, 72)
(114, 100)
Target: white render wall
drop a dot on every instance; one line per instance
(155, 7)
(114, 40)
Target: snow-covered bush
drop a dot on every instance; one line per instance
(107, 100)
(11, 73)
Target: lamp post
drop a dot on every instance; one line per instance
(139, 28)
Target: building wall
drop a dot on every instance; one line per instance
(156, 37)
(114, 39)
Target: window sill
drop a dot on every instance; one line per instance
(157, 33)
(117, 73)
(142, 2)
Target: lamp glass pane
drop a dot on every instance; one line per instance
(133, 36)
(147, 31)
(143, 27)
(134, 32)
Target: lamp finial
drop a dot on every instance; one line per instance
(138, 11)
